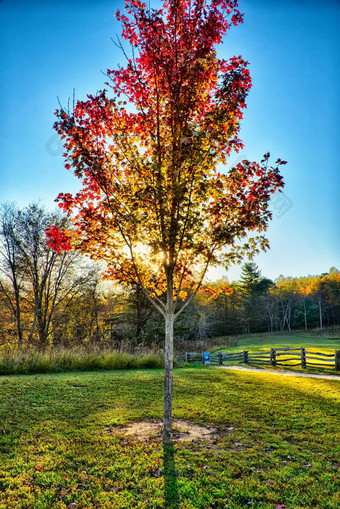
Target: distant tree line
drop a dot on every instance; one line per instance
(50, 298)
(258, 304)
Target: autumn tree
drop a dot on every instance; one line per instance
(76, 317)
(324, 290)
(158, 202)
(332, 291)
(129, 317)
(139, 311)
(36, 282)
(287, 292)
(307, 309)
(11, 270)
(8, 330)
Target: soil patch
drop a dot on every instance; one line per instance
(183, 431)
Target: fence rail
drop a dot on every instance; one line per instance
(274, 357)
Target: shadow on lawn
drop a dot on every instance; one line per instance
(171, 497)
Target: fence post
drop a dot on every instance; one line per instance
(273, 356)
(187, 357)
(303, 358)
(220, 358)
(245, 356)
(337, 360)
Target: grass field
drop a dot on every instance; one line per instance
(260, 342)
(325, 342)
(61, 446)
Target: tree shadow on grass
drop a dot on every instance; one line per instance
(171, 497)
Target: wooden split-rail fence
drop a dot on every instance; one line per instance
(275, 357)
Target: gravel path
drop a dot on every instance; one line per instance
(284, 373)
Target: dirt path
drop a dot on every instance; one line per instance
(284, 373)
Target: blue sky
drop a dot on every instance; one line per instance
(49, 48)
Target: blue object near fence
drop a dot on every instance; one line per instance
(206, 358)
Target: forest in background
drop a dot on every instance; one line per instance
(50, 298)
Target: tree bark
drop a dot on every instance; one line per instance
(305, 313)
(18, 314)
(169, 358)
(320, 309)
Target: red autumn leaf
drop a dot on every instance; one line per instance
(59, 240)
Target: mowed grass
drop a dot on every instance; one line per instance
(61, 445)
(261, 342)
(325, 342)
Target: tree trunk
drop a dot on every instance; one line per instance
(36, 309)
(270, 316)
(15, 308)
(320, 309)
(169, 358)
(305, 313)
(18, 317)
(168, 380)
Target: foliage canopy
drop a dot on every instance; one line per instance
(155, 203)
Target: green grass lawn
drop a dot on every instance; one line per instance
(262, 342)
(323, 342)
(277, 443)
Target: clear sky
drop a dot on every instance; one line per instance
(50, 47)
